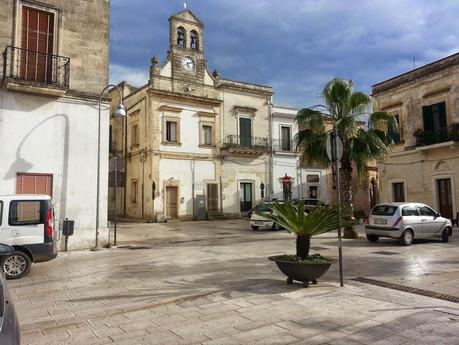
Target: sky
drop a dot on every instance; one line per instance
(295, 46)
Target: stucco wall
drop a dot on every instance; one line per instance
(180, 173)
(242, 169)
(58, 137)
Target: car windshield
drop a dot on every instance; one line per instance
(384, 210)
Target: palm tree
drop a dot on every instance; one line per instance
(294, 219)
(346, 110)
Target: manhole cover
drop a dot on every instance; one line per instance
(409, 289)
(382, 252)
(318, 248)
(224, 233)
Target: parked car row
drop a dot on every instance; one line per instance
(402, 221)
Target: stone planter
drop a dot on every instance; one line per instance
(304, 272)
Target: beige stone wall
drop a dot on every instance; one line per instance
(419, 170)
(418, 167)
(82, 35)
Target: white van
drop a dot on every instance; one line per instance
(26, 224)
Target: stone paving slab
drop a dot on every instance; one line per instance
(193, 286)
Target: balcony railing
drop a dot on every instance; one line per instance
(34, 67)
(438, 136)
(246, 143)
(280, 145)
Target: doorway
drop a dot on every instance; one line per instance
(445, 198)
(212, 197)
(171, 198)
(245, 193)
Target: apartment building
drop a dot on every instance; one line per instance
(423, 165)
(306, 182)
(54, 65)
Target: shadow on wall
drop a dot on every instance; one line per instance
(22, 165)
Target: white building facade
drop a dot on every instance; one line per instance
(49, 109)
(306, 182)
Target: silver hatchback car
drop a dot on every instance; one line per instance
(406, 221)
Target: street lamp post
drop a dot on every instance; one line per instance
(118, 112)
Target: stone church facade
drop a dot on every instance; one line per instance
(195, 144)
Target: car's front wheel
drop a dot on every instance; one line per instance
(16, 265)
(254, 227)
(372, 238)
(276, 227)
(445, 235)
(407, 238)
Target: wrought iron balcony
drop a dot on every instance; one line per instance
(438, 136)
(243, 144)
(280, 145)
(36, 68)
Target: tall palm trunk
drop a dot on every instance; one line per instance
(302, 246)
(345, 175)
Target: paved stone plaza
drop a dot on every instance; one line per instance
(211, 283)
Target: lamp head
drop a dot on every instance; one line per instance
(119, 111)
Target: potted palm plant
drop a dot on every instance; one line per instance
(302, 266)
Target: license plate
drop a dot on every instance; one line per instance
(380, 221)
(258, 223)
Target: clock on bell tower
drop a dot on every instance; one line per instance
(186, 47)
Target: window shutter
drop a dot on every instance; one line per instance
(428, 118)
(442, 114)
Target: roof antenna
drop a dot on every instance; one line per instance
(414, 62)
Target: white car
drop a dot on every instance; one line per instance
(406, 221)
(27, 225)
(258, 221)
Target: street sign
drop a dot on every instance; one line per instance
(338, 143)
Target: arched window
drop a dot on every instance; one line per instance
(181, 37)
(194, 41)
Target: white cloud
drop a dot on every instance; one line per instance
(134, 76)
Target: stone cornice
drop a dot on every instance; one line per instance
(418, 73)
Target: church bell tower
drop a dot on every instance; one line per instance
(186, 47)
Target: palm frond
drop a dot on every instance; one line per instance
(312, 147)
(366, 147)
(385, 118)
(293, 218)
(310, 118)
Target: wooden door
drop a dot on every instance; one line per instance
(445, 199)
(212, 197)
(172, 202)
(34, 184)
(37, 42)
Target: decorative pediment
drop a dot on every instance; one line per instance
(188, 16)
